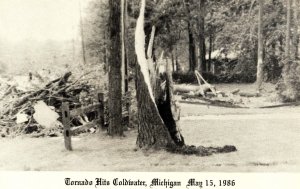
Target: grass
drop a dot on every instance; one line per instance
(266, 139)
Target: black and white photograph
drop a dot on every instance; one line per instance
(150, 86)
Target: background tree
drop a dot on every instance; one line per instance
(202, 50)
(260, 63)
(295, 29)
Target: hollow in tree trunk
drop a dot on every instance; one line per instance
(157, 111)
(156, 123)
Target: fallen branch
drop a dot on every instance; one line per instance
(245, 94)
(40, 93)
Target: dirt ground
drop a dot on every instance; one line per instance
(266, 139)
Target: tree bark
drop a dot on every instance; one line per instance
(202, 60)
(114, 73)
(260, 49)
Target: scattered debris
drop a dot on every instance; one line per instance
(21, 118)
(36, 110)
(44, 115)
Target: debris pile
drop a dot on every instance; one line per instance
(207, 94)
(36, 110)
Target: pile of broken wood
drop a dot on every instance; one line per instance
(38, 112)
(206, 94)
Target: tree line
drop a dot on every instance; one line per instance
(128, 37)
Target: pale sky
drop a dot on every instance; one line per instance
(39, 19)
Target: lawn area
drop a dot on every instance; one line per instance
(266, 139)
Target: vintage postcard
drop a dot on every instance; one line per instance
(149, 94)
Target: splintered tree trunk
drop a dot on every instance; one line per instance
(156, 123)
(114, 74)
(260, 64)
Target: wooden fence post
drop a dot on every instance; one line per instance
(101, 109)
(66, 122)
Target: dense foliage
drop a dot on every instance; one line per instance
(230, 35)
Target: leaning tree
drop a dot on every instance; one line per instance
(157, 111)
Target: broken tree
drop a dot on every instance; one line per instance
(156, 128)
(157, 111)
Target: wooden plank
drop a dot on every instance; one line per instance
(211, 103)
(244, 94)
(85, 127)
(84, 110)
(66, 122)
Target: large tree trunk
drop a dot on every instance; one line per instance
(156, 123)
(115, 75)
(260, 49)
(202, 60)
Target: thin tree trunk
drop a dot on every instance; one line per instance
(173, 61)
(202, 60)
(126, 45)
(115, 75)
(123, 59)
(104, 51)
(260, 63)
(288, 31)
(295, 35)
(209, 52)
(176, 60)
(192, 53)
(82, 36)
